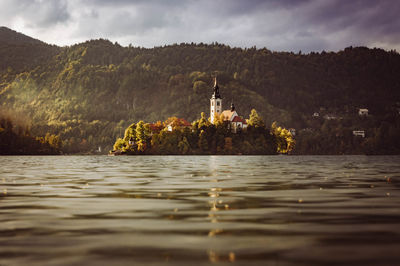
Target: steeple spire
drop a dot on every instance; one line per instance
(215, 102)
(216, 94)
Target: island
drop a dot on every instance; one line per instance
(223, 133)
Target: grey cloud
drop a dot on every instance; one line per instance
(125, 3)
(290, 25)
(126, 19)
(36, 13)
(50, 13)
(360, 22)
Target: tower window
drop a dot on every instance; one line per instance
(212, 103)
(218, 103)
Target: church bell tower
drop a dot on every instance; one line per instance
(215, 102)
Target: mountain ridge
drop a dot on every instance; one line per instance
(10, 36)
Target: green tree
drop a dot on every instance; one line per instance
(184, 146)
(130, 133)
(285, 141)
(203, 144)
(119, 144)
(255, 120)
(141, 136)
(200, 87)
(203, 122)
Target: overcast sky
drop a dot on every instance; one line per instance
(280, 25)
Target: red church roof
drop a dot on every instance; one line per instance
(239, 119)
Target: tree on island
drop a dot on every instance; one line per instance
(255, 120)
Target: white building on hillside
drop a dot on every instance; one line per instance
(362, 112)
(236, 122)
(359, 133)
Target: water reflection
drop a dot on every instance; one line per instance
(246, 210)
(215, 201)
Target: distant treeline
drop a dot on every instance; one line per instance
(87, 94)
(335, 136)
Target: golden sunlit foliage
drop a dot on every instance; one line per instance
(285, 141)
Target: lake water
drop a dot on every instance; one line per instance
(200, 210)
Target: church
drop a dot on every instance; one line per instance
(236, 122)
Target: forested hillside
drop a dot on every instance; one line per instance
(87, 94)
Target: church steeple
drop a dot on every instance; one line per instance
(216, 94)
(232, 107)
(215, 102)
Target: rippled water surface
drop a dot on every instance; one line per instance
(197, 210)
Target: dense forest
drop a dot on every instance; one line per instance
(16, 139)
(88, 93)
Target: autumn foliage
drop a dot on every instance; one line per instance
(202, 137)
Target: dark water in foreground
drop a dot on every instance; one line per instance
(239, 210)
